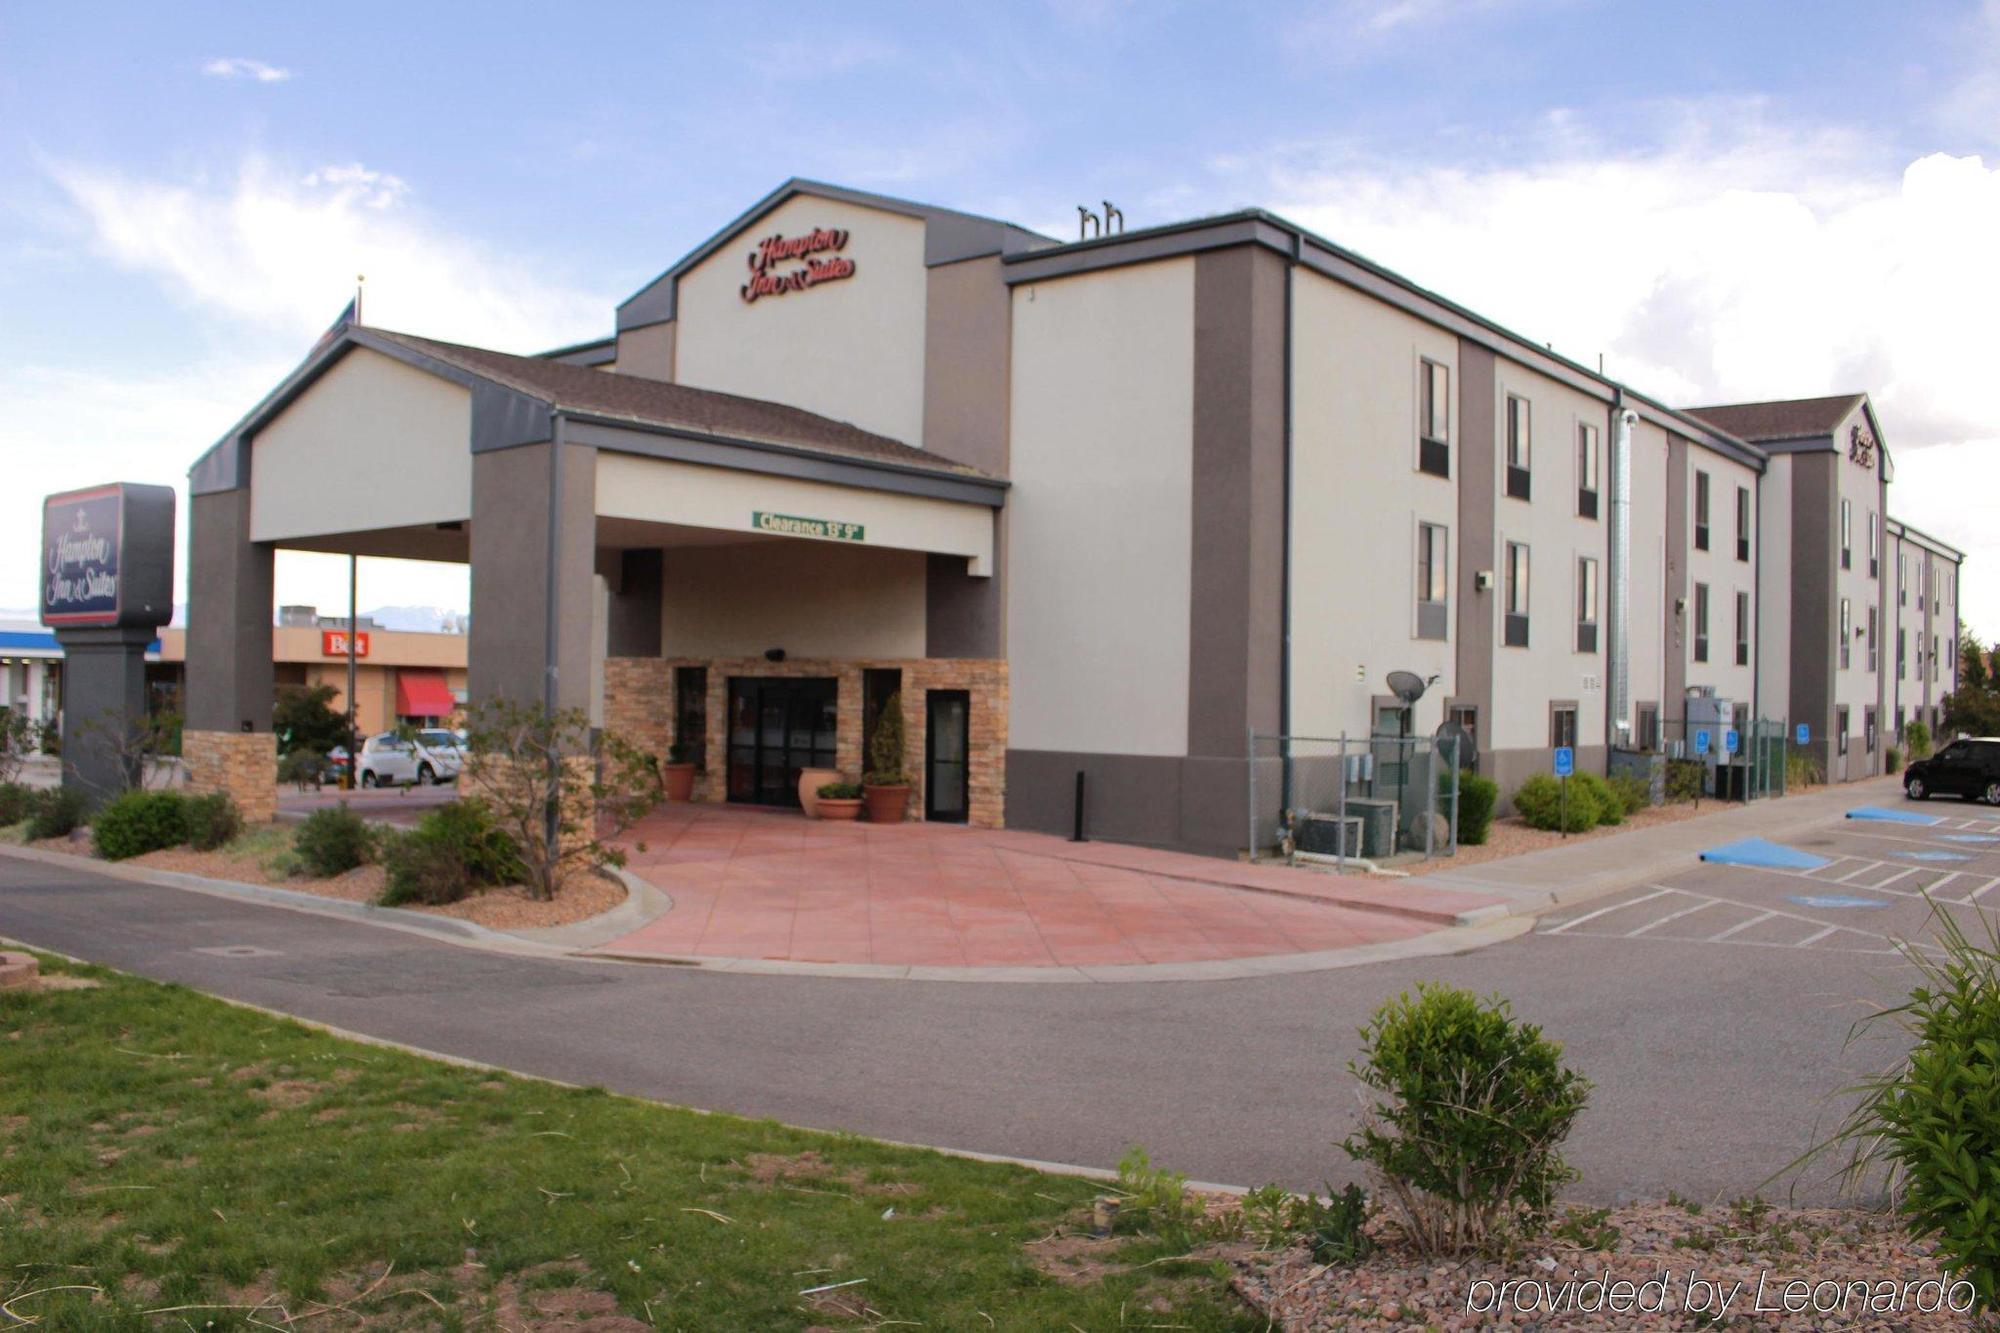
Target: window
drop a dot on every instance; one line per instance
(1434, 437)
(1902, 579)
(691, 714)
(1923, 577)
(1902, 655)
(1871, 638)
(1517, 596)
(1433, 571)
(1586, 470)
(1868, 729)
(1899, 722)
(1840, 727)
(1743, 523)
(1846, 632)
(1934, 657)
(1846, 534)
(1562, 724)
(1701, 622)
(1649, 727)
(1874, 545)
(1742, 629)
(1520, 445)
(1586, 604)
(1700, 511)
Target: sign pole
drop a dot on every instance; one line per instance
(353, 646)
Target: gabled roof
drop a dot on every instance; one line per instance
(949, 236)
(1782, 419)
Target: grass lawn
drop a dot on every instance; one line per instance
(168, 1160)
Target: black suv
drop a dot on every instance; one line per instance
(1969, 767)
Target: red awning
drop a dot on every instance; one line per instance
(423, 694)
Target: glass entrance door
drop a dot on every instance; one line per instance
(778, 727)
(946, 748)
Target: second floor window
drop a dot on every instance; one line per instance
(1902, 579)
(1516, 635)
(1562, 724)
(1742, 629)
(1846, 633)
(1586, 604)
(1434, 435)
(1871, 638)
(1701, 622)
(1846, 534)
(1520, 447)
(1433, 574)
(1701, 511)
(1586, 471)
(1874, 545)
(1743, 523)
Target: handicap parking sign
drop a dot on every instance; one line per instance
(1730, 740)
(1805, 734)
(1701, 742)
(1565, 761)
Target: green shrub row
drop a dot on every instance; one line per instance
(149, 821)
(1591, 801)
(452, 851)
(1477, 799)
(50, 812)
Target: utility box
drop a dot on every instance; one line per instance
(1329, 835)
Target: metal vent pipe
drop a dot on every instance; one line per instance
(1618, 648)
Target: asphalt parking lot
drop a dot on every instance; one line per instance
(1855, 886)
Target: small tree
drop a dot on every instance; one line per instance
(885, 747)
(304, 719)
(558, 788)
(17, 738)
(135, 744)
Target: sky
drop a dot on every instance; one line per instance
(1725, 201)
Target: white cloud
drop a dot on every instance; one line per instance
(280, 249)
(1737, 262)
(236, 67)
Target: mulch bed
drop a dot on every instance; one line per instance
(1701, 1257)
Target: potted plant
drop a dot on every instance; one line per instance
(677, 774)
(838, 800)
(810, 781)
(885, 785)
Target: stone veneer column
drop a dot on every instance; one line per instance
(227, 742)
(243, 764)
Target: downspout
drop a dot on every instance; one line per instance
(1285, 553)
(1618, 642)
(1759, 752)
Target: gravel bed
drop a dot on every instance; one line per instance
(1691, 1260)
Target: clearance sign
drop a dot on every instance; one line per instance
(791, 525)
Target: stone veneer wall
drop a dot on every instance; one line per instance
(639, 704)
(242, 763)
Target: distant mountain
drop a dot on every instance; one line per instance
(422, 619)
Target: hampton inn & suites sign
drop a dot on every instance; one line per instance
(819, 250)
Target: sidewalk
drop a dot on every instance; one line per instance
(1537, 881)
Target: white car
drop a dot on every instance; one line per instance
(388, 760)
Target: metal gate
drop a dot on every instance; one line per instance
(1352, 798)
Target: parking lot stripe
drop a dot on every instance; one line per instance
(1946, 878)
(1861, 869)
(1671, 916)
(1905, 871)
(1606, 911)
(1974, 895)
(1757, 920)
(1815, 939)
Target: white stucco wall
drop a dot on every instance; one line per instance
(1724, 574)
(1775, 592)
(1357, 498)
(1099, 536)
(1646, 671)
(1527, 680)
(372, 444)
(852, 349)
(813, 599)
(1857, 687)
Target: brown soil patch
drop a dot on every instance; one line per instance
(1075, 1259)
(520, 1301)
(63, 981)
(287, 1094)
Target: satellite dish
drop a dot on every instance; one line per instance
(1407, 686)
(1454, 740)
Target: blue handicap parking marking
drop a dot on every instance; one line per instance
(1832, 900)
(1701, 742)
(1971, 837)
(1764, 853)
(1804, 734)
(1731, 741)
(1935, 856)
(1892, 816)
(1565, 761)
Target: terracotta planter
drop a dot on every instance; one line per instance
(678, 780)
(831, 809)
(810, 781)
(886, 805)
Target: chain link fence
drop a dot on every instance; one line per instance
(1352, 798)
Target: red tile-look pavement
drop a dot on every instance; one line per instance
(774, 885)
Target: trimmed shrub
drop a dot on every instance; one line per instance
(1472, 1106)
(1802, 770)
(1917, 735)
(1477, 799)
(212, 820)
(453, 850)
(1684, 779)
(885, 747)
(16, 803)
(57, 813)
(1610, 807)
(303, 768)
(139, 822)
(1539, 801)
(423, 869)
(332, 842)
(1632, 793)
(1892, 760)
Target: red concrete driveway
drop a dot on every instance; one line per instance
(757, 884)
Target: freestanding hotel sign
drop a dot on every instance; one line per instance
(107, 576)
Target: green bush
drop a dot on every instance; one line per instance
(332, 842)
(16, 803)
(1802, 770)
(1917, 735)
(453, 850)
(1610, 808)
(840, 791)
(1477, 798)
(1539, 802)
(303, 768)
(1632, 793)
(139, 822)
(1892, 760)
(57, 813)
(1273, 1217)
(1684, 780)
(885, 747)
(212, 821)
(422, 870)
(1472, 1106)
(1932, 1123)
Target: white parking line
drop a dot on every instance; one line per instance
(1672, 916)
(1861, 869)
(1936, 884)
(1815, 939)
(1900, 874)
(1757, 920)
(1921, 891)
(1974, 895)
(1606, 911)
